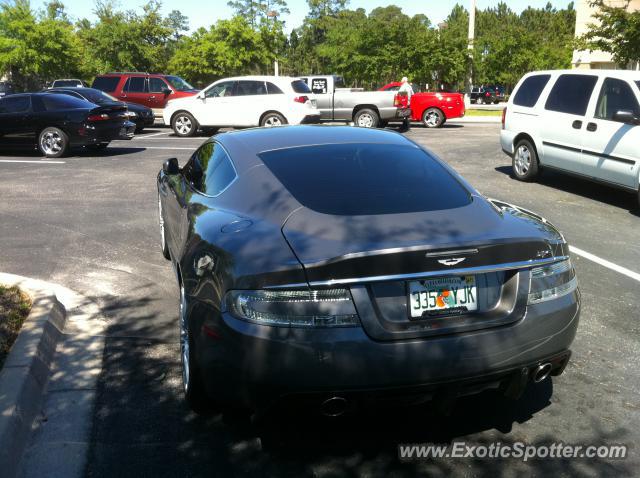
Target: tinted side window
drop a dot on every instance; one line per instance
(530, 89)
(250, 88)
(136, 84)
(210, 170)
(616, 95)
(273, 89)
(221, 89)
(106, 83)
(319, 86)
(571, 94)
(300, 86)
(219, 171)
(364, 179)
(64, 102)
(157, 85)
(15, 104)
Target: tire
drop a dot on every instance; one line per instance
(273, 119)
(53, 142)
(525, 161)
(383, 124)
(366, 118)
(163, 237)
(433, 118)
(194, 390)
(184, 124)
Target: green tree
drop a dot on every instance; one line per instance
(37, 47)
(230, 47)
(617, 31)
(258, 11)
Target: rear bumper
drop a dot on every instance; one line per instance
(506, 141)
(103, 134)
(258, 366)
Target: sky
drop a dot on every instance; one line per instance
(204, 13)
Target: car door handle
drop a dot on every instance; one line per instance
(577, 124)
(592, 127)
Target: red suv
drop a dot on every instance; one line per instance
(148, 89)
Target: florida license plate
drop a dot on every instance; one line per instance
(442, 295)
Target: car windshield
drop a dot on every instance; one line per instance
(365, 179)
(179, 84)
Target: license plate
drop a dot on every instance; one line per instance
(442, 295)
(314, 103)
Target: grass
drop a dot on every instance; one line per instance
(483, 112)
(14, 308)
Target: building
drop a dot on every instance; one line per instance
(594, 59)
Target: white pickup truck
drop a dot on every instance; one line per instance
(368, 109)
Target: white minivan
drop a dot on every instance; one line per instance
(586, 123)
(243, 101)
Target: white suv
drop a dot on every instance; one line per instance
(243, 101)
(585, 123)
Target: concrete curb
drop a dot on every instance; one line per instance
(24, 377)
(477, 119)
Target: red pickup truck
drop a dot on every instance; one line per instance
(433, 109)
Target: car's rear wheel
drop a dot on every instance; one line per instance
(193, 385)
(432, 118)
(163, 237)
(366, 118)
(184, 124)
(525, 161)
(273, 119)
(53, 142)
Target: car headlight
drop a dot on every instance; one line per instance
(552, 281)
(294, 308)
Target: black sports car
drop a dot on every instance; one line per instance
(139, 114)
(342, 264)
(56, 123)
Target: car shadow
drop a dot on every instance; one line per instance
(585, 188)
(109, 151)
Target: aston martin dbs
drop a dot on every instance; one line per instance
(338, 265)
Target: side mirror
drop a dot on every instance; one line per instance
(200, 95)
(166, 92)
(625, 116)
(170, 167)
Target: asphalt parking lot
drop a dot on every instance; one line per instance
(89, 222)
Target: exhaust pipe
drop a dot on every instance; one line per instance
(541, 372)
(334, 406)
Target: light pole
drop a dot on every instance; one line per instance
(472, 29)
(276, 70)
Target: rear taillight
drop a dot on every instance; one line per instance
(551, 282)
(487, 94)
(397, 101)
(294, 308)
(102, 117)
(504, 117)
(301, 99)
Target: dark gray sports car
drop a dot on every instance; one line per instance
(338, 264)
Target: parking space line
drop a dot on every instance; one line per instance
(605, 263)
(152, 135)
(170, 147)
(39, 161)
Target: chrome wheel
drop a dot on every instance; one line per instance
(183, 125)
(51, 143)
(432, 119)
(272, 121)
(522, 160)
(184, 340)
(365, 120)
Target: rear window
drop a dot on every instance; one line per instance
(64, 83)
(571, 94)
(530, 89)
(300, 86)
(15, 104)
(365, 179)
(54, 102)
(106, 83)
